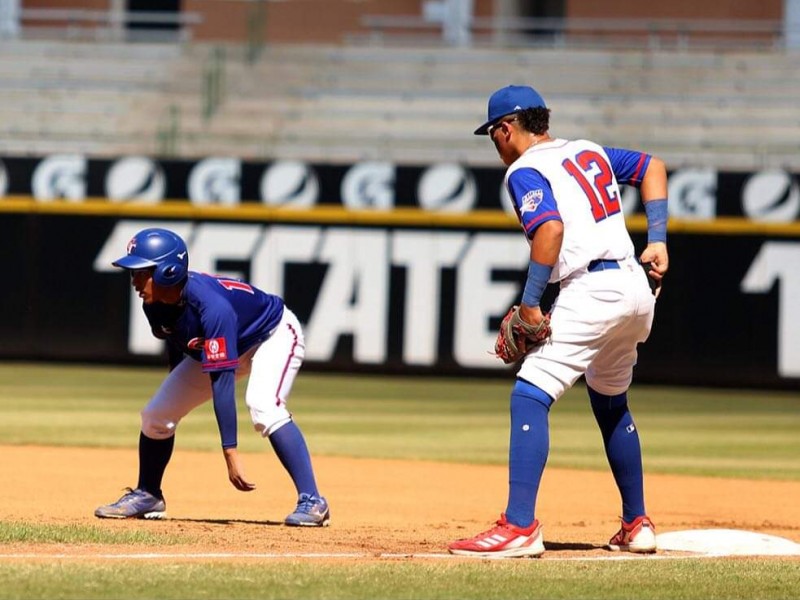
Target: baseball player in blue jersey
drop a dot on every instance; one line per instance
(217, 330)
(567, 199)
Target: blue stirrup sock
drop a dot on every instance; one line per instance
(527, 452)
(290, 446)
(624, 452)
(154, 457)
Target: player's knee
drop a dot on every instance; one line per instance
(156, 426)
(525, 390)
(267, 430)
(606, 402)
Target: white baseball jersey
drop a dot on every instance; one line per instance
(604, 308)
(574, 180)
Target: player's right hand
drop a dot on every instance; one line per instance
(656, 256)
(235, 472)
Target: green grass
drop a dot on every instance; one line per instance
(34, 533)
(721, 433)
(710, 579)
(683, 430)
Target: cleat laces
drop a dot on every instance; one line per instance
(305, 504)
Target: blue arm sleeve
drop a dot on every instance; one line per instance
(657, 216)
(629, 166)
(223, 385)
(538, 275)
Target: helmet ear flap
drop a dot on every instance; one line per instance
(169, 273)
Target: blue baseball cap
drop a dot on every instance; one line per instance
(509, 100)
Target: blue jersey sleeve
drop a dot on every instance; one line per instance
(629, 166)
(221, 329)
(223, 385)
(533, 199)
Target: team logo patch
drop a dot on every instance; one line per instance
(215, 349)
(532, 200)
(132, 245)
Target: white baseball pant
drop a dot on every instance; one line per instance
(272, 367)
(597, 320)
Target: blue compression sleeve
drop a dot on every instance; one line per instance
(223, 384)
(657, 215)
(292, 451)
(623, 449)
(528, 448)
(538, 275)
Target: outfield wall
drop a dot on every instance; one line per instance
(387, 287)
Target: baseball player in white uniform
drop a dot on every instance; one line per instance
(566, 196)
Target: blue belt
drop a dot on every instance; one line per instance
(602, 264)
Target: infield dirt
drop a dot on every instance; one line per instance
(377, 506)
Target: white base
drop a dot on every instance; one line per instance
(727, 542)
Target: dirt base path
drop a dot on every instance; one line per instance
(377, 506)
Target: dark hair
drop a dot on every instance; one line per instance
(536, 120)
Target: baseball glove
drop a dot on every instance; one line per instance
(517, 337)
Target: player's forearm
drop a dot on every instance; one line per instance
(546, 242)
(545, 246)
(654, 197)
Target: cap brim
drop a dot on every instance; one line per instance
(133, 262)
(484, 129)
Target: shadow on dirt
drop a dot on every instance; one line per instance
(556, 546)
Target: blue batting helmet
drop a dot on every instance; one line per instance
(161, 249)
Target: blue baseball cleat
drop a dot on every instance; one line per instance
(134, 504)
(311, 511)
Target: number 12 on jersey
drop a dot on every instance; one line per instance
(585, 164)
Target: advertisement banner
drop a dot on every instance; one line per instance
(452, 188)
(400, 298)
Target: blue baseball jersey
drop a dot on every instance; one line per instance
(216, 321)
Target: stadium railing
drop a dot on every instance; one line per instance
(553, 32)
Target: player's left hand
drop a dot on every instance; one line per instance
(235, 472)
(517, 335)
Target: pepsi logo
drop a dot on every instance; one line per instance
(289, 183)
(771, 195)
(447, 187)
(136, 178)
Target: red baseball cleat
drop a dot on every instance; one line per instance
(504, 540)
(636, 536)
